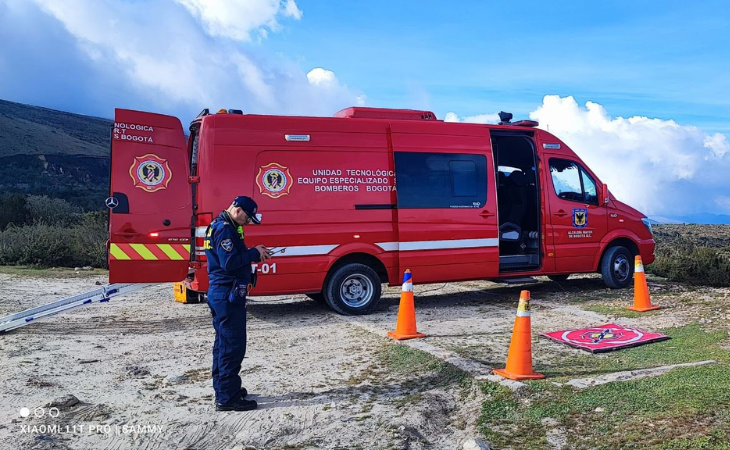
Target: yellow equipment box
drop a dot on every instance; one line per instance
(181, 294)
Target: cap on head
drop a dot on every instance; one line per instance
(248, 206)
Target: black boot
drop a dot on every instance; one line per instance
(237, 404)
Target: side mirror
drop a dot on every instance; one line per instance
(605, 194)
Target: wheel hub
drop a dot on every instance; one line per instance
(356, 290)
(621, 267)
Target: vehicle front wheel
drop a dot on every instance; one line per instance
(353, 289)
(617, 267)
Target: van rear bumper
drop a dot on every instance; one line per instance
(646, 250)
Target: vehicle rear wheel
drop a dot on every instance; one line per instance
(558, 278)
(617, 268)
(353, 289)
(193, 296)
(318, 297)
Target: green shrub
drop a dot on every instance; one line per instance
(686, 257)
(89, 238)
(44, 245)
(52, 211)
(13, 210)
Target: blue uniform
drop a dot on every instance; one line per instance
(229, 261)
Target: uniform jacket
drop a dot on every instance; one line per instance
(228, 257)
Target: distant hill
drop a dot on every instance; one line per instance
(701, 218)
(706, 218)
(31, 130)
(54, 153)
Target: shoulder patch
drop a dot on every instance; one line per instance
(227, 245)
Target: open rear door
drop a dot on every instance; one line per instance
(150, 203)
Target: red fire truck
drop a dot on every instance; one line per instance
(351, 201)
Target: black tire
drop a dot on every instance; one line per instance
(617, 267)
(353, 289)
(318, 297)
(192, 297)
(558, 278)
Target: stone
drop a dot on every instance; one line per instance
(64, 402)
(175, 378)
(475, 444)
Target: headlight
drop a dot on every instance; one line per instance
(647, 224)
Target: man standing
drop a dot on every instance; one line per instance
(229, 274)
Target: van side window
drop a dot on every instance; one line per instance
(572, 182)
(440, 180)
(589, 188)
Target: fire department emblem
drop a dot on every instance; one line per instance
(274, 180)
(580, 218)
(150, 173)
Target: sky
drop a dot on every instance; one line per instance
(640, 90)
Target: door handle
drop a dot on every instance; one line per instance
(561, 213)
(486, 214)
(128, 234)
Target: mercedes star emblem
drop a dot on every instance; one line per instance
(112, 202)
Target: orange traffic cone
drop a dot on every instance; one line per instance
(519, 359)
(406, 326)
(642, 302)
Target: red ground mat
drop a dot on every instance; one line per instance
(605, 338)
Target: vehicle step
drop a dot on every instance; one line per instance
(518, 280)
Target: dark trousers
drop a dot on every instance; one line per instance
(229, 348)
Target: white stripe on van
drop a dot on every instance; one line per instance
(308, 250)
(301, 250)
(304, 250)
(438, 245)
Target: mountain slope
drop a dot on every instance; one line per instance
(54, 153)
(31, 130)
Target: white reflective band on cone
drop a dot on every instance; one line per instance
(639, 268)
(523, 313)
(407, 287)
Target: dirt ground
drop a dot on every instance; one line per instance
(139, 366)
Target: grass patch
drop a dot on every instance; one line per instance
(614, 311)
(687, 408)
(202, 374)
(53, 272)
(399, 358)
(716, 439)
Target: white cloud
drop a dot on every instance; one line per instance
(321, 77)
(657, 166)
(291, 10)
(718, 144)
(481, 118)
(184, 55)
(237, 19)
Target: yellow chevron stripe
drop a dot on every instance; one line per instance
(170, 252)
(143, 252)
(117, 252)
(186, 247)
